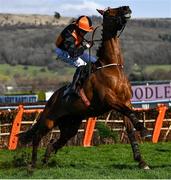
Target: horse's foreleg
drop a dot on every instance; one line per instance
(134, 144)
(126, 111)
(136, 151)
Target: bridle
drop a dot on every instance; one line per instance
(119, 19)
(111, 18)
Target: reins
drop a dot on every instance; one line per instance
(95, 40)
(92, 42)
(121, 31)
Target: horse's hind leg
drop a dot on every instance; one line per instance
(43, 129)
(134, 144)
(54, 146)
(35, 144)
(68, 129)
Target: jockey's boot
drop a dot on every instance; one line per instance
(72, 89)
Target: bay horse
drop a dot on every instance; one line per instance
(107, 88)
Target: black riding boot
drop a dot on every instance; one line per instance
(72, 89)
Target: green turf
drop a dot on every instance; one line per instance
(31, 71)
(101, 162)
(151, 68)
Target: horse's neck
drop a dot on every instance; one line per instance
(111, 52)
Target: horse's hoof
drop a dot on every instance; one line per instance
(30, 169)
(146, 167)
(145, 133)
(143, 165)
(44, 161)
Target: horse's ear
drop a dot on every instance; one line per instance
(100, 11)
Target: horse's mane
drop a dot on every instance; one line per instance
(105, 35)
(99, 51)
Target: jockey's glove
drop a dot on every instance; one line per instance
(87, 45)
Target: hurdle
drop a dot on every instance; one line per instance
(156, 133)
(89, 128)
(159, 122)
(89, 131)
(13, 139)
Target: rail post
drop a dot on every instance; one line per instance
(13, 140)
(89, 131)
(159, 122)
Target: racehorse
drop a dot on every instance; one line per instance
(106, 88)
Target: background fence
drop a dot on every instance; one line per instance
(109, 128)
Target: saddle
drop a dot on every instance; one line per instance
(74, 90)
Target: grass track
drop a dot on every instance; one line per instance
(101, 162)
(151, 68)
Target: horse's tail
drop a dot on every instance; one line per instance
(27, 136)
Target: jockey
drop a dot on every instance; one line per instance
(71, 45)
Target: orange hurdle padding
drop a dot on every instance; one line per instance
(15, 129)
(13, 140)
(33, 110)
(89, 131)
(162, 111)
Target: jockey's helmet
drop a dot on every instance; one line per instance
(84, 23)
